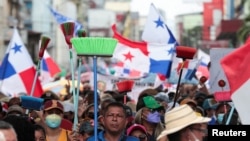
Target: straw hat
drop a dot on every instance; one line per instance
(179, 118)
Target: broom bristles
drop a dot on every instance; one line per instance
(44, 43)
(68, 31)
(81, 33)
(125, 86)
(30, 102)
(94, 46)
(185, 52)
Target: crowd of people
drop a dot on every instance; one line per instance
(157, 115)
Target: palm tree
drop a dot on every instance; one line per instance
(244, 32)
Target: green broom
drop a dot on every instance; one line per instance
(94, 46)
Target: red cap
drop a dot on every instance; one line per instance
(53, 104)
(136, 127)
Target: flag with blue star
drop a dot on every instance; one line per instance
(157, 32)
(155, 29)
(17, 70)
(143, 57)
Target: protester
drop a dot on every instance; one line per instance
(209, 106)
(23, 126)
(149, 117)
(53, 115)
(220, 111)
(69, 110)
(182, 124)
(8, 131)
(40, 134)
(86, 130)
(138, 131)
(15, 110)
(114, 120)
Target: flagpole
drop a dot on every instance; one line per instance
(35, 79)
(43, 45)
(178, 85)
(95, 96)
(230, 115)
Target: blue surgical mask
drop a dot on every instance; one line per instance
(220, 118)
(154, 117)
(53, 120)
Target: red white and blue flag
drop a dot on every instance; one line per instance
(143, 57)
(236, 68)
(189, 68)
(203, 68)
(49, 69)
(17, 71)
(157, 32)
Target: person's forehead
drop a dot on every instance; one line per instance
(54, 110)
(115, 108)
(9, 133)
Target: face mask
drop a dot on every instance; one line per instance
(220, 118)
(53, 120)
(154, 117)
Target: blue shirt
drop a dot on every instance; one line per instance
(123, 138)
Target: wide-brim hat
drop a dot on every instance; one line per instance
(179, 118)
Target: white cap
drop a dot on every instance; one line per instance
(68, 106)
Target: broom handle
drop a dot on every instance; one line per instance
(95, 97)
(178, 85)
(77, 93)
(72, 78)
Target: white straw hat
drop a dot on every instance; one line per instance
(179, 118)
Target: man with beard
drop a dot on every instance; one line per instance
(114, 120)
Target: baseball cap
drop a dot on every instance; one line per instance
(136, 127)
(15, 109)
(53, 104)
(151, 103)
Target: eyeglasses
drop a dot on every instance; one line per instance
(142, 137)
(200, 130)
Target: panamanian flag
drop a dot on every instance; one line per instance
(49, 68)
(141, 56)
(156, 31)
(17, 71)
